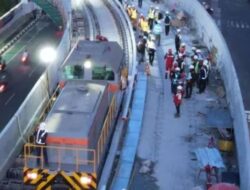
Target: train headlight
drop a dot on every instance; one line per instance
(85, 180)
(87, 64)
(47, 55)
(32, 175)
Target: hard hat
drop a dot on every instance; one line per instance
(198, 51)
(193, 48)
(167, 12)
(191, 67)
(180, 55)
(157, 8)
(183, 44)
(178, 30)
(205, 62)
(195, 57)
(179, 87)
(177, 69)
(145, 37)
(42, 126)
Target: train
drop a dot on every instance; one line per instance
(81, 121)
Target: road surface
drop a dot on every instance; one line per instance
(21, 78)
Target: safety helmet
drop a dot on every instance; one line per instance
(178, 30)
(179, 87)
(156, 8)
(191, 67)
(198, 51)
(177, 69)
(42, 126)
(195, 57)
(193, 48)
(183, 44)
(167, 12)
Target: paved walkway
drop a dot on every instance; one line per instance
(167, 141)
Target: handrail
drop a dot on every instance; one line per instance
(28, 147)
(105, 130)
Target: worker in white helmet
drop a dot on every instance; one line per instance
(40, 140)
(190, 81)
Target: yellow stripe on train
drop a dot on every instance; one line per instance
(42, 179)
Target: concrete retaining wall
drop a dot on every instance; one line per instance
(212, 36)
(18, 129)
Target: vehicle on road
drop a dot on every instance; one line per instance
(25, 57)
(3, 82)
(2, 64)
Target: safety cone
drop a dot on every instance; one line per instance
(147, 69)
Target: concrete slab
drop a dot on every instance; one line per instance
(219, 118)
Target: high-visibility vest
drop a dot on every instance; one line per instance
(144, 26)
(129, 11)
(151, 13)
(157, 29)
(134, 14)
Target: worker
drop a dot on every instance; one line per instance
(141, 48)
(40, 139)
(144, 26)
(134, 15)
(182, 49)
(157, 30)
(167, 23)
(193, 53)
(178, 100)
(151, 15)
(175, 78)
(190, 80)
(169, 60)
(207, 66)
(178, 40)
(202, 80)
(151, 50)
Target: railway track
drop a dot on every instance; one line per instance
(99, 18)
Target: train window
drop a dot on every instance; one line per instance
(73, 72)
(102, 73)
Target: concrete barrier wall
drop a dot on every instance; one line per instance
(18, 129)
(13, 135)
(212, 36)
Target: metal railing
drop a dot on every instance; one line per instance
(106, 129)
(82, 156)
